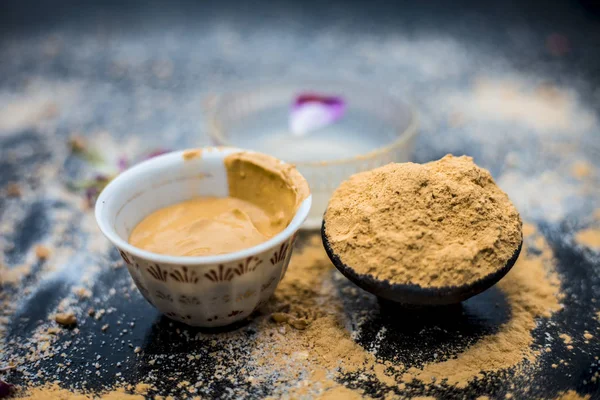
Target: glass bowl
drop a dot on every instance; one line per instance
(376, 129)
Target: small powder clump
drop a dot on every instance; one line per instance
(440, 224)
(589, 237)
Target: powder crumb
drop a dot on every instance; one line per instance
(529, 230)
(581, 169)
(53, 330)
(566, 338)
(483, 398)
(587, 335)
(589, 237)
(460, 227)
(13, 190)
(82, 293)
(42, 252)
(296, 323)
(280, 317)
(191, 154)
(531, 289)
(66, 319)
(12, 276)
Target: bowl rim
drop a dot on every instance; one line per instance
(216, 101)
(172, 159)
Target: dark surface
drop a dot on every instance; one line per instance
(108, 52)
(414, 295)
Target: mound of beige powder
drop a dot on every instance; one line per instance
(440, 224)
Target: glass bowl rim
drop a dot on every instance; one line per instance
(217, 101)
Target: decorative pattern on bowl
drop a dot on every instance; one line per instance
(207, 291)
(210, 295)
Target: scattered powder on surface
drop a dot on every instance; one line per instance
(531, 289)
(11, 276)
(547, 109)
(529, 229)
(39, 102)
(307, 293)
(55, 392)
(572, 395)
(589, 237)
(444, 223)
(340, 393)
(318, 354)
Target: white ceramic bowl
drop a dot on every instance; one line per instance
(204, 291)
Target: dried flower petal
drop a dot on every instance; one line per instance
(123, 163)
(6, 389)
(313, 111)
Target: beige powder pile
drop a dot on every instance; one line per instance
(443, 223)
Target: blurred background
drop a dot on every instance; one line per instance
(513, 84)
(495, 80)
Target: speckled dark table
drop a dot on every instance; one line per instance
(140, 71)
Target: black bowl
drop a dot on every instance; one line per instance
(414, 294)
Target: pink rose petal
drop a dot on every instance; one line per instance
(313, 111)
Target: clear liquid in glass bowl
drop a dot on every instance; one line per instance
(354, 134)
